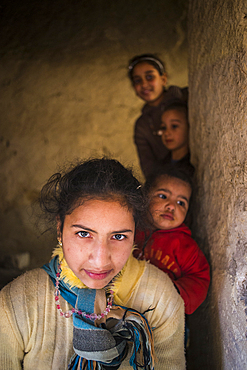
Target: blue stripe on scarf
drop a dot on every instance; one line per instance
(70, 295)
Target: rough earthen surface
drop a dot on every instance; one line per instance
(218, 100)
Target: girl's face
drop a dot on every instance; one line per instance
(148, 83)
(97, 238)
(169, 202)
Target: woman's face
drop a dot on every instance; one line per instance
(97, 238)
(148, 83)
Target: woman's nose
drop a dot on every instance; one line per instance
(100, 255)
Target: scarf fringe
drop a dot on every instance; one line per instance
(79, 363)
(140, 335)
(143, 355)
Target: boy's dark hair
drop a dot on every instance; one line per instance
(152, 59)
(178, 105)
(103, 178)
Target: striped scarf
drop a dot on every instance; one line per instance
(105, 343)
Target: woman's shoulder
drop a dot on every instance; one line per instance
(156, 290)
(27, 283)
(26, 298)
(156, 279)
(156, 285)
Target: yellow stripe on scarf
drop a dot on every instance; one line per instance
(130, 277)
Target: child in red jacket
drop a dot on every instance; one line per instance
(169, 245)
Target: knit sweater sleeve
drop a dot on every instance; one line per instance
(12, 345)
(30, 335)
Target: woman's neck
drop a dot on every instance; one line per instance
(178, 154)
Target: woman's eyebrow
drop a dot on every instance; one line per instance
(78, 226)
(122, 231)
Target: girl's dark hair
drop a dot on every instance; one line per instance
(99, 178)
(152, 59)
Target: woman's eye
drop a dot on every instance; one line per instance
(174, 127)
(181, 203)
(83, 234)
(162, 196)
(119, 236)
(149, 77)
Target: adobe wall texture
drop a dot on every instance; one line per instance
(65, 93)
(218, 116)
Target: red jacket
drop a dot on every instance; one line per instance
(176, 253)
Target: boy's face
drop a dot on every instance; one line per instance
(175, 129)
(169, 202)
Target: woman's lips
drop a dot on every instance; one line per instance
(97, 275)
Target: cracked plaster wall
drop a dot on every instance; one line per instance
(218, 118)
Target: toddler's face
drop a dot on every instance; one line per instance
(174, 129)
(148, 83)
(169, 202)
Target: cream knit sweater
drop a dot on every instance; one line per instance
(34, 336)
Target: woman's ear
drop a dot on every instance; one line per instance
(59, 228)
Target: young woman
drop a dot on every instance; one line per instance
(148, 76)
(93, 306)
